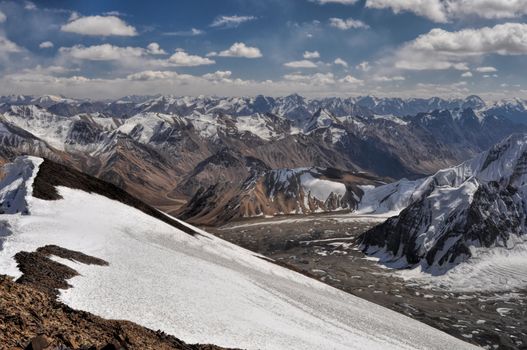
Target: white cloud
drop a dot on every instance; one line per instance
(46, 45)
(467, 75)
(503, 39)
(104, 52)
(3, 17)
(311, 54)
(191, 32)
(218, 76)
(7, 46)
(155, 49)
(99, 25)
(348, 79)
(486, 69)
(313, 79)
(341, 62)
(300, 64)
(345, 24)
(364, 66)
(342, 2)
(239, 50)
(441, 49)
(30, 6)
(387, 79)
(183, 59)
(490, 76)
(444, 10)
(231, 21)
(152, 75)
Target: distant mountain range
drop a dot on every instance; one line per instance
(167, 150)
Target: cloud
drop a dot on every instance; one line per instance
(387, 79)
(300, 64)
(30, 6)
(99, 25)
(155, 49)
(345, 24)
(152, 75)
(7, 46)
(313, 79)
(239, 50)
(442, 11)
(104, 52)
(364, 66)
(486, 69)
(348, 79)
(503, 39)
(3, 17)
(191, 32)
(441, 49)
(231, 21)
(311, 54)
(46, 45)
(342, 2)
(467, 75)
(341, 62)
(183, 59)
(218, 76)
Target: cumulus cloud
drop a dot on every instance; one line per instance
(348, 79)
(444, 10)
(151, 75)
(183, 59)
(99, 26)
(104, 52)
(239, 50)
(218, 75)
(231, 21)
(311, 54)
(441, 49)
(364, 66)
(155, 49)
(300, 64)
(486, 69)
(7, 46)
(345, 24)
(46, 45)
(339, 61)
(467, 75)
(3, 17)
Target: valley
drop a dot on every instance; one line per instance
(323, 247)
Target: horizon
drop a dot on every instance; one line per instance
(316, 48)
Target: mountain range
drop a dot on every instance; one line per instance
(178, 153)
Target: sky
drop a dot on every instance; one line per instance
(404, 48)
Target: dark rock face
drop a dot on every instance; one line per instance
(481, 203)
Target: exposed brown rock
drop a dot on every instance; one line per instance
(32, 318)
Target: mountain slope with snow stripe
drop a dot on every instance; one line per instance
(462, 212)
(200, 287)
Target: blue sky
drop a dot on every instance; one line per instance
(401, 48)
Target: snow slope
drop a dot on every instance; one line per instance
(200, 288)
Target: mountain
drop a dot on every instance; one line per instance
(123, 260)
(279, 192)
(455, 213)
(166, 149)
